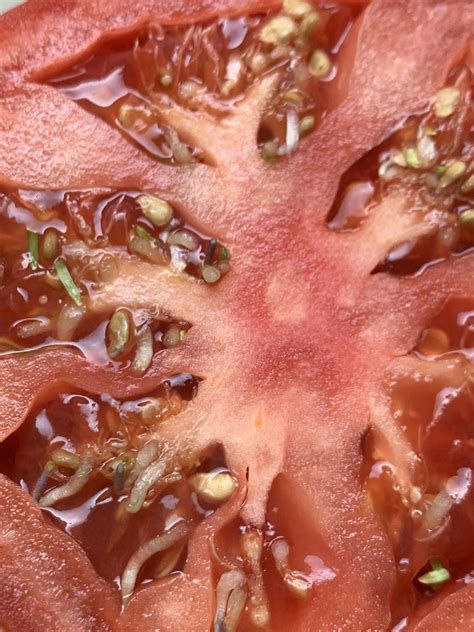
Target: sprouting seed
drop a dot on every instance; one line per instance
(412, 158)
(297, 583)
(309, 24)
(453, 172)
(173, 337)
(294, 97)
(434, 341)
(125, 115)
(224, 254)
(211, 250)
(468, 186)
(399, 159)
(52, 280)
(437, 576)
(166, 80)
(50, 244)
(144, 352)
(224, 267)
(158, 211)
(231, 595)
(252, 546)
(214, 487)
(319, 64)
(142, 232)
(184, 238)
(74, 485)
(306, 125)
(33, 248)
(279, 30)
(466, 219)
(292, 131)
(257, 63)
(269, 151)
(67, 281)
(33, 327)
(211, 274)
(388, 171)
(147, 550)
(446, 102)
(119, 478)
(64, 458)
(426, 149)
(43, 480)
(296, 8)
(149, 249)
(118, 333)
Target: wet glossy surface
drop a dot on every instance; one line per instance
(130, 82)
(86, 230)
(96, 516)
(435, 411)
(412, 163)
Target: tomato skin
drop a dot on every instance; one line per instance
(293, 345)
(452, 612)
(35, 554)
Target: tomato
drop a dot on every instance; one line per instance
(239, 250)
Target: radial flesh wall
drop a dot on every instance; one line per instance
(237, 323)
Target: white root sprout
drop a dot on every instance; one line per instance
(297, 583)
(147, 550)
(144, 481)
(144, 353)
(74, 485)
(252, 549)
(231, 595)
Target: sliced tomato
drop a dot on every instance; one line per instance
(297, 348)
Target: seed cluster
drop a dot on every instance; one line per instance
(60, 258)
(430, 161)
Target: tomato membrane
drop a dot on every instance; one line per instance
(430, 155)
(131, 82)
(427, 510)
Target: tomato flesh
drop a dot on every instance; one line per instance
(331, 367)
